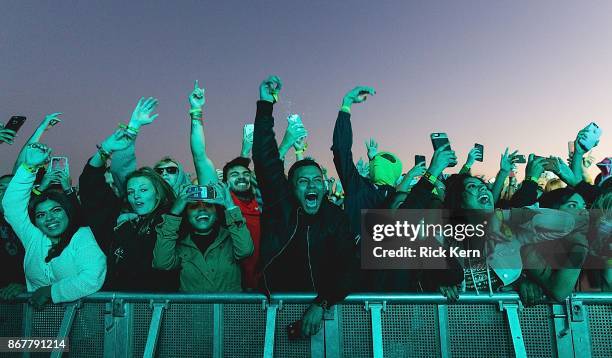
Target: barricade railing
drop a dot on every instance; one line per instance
(363, 325)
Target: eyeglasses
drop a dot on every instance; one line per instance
(169, 170)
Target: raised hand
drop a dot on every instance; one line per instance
(363, 168)
(197, 97)
(270, 88)
(181, 201)
(416, 171)
(144, 112)
(294, 133)
(371, 147)
(36, 154)
(473, 156)
(357, 95)
(300, 144)
(507, 161)
(6, 135)
(563, 171)
(535, 167)
(119, 140)
(442, 158)
(51, 120)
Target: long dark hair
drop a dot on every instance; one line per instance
(73, 223)
(555, 198)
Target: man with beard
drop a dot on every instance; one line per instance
(237, 175)
(306, 242)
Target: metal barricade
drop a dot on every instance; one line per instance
(364, 325)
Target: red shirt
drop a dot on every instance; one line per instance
(250, 211)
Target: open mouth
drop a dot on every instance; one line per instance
(203, 218)
(52, 226)
(241, 183)
(311, 200)
(484, 199)
(138, 204)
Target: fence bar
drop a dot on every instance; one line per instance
(64, 331)
(580, 328)
(515, 329)
(563, 337)
(217, 330)
(27, 324)
(331, 325)
(443, 331)
(118, 332)
(317, 344)
(356, 298)
(156, 320)
(376, 317)
(270, 330)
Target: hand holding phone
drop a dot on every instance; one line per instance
(480, 148)
(418, 159)
(59, 164)
(15, 123)
(440, 140)
(201, 193)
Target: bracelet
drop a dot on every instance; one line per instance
(35, 191)
(196, 116)
(533, 179)
(299, 152)
(32, 170)
(346, 109)
(132, 130)
(104, 155)
(69, 191)
(195, 112)
(430, 178)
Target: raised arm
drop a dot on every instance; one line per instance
(124, 160)
(205, 168)
(505, 167)
(266, 158)
(17, 195)
(49, 121)
(343, 140)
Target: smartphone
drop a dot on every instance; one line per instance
(480, 148)
(15, 123)
(200, 193)
(570, 147)
(418, 159)
(593, 132)
(521, 159)
(438, 140)
(294, 330)
(548, 162)
(59, 164)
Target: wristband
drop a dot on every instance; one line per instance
(299, 151)
(104, 155)
(32, 170)
(430, 178)
(132, 130)
(346, 109)
(35, 191)
(195, 114)
(122, 126)
(533, 179)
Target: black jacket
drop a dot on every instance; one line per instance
(361, 193)
(286, 230)
(128, 247)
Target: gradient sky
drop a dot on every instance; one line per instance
(523, 74)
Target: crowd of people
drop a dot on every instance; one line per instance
(268, 229)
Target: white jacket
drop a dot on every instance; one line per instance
(78, 271)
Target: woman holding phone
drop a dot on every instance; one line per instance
(62, 260)
(205, 239)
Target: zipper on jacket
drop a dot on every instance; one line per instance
(310, 266)
(297, 221)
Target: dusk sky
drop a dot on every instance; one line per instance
(523, 74)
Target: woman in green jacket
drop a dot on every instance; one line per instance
(206, 239)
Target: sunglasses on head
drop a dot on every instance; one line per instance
(169, 170)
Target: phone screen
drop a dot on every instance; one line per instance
(418, 159)
(59, 164)
(15, 123)
(438, 140)
(199, 193)
(481, 150)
